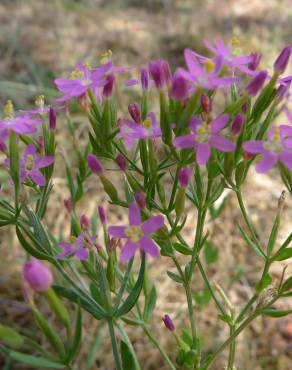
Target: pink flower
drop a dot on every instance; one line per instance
(137, 233)
(38, 276)
(205, 136)
(278, 147)
(77, 246)
(131, 131)
(30, 165)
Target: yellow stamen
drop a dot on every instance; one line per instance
(8, 109)
(77, 74)
(147, 123)
(29, 162)
(276, 135)
(203, 132)
(72, 239)
(40, 101)
(86, 64)
(106, 57)
(209, 66)
(235, 41)
(135, 233)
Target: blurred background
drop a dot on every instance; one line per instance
(40, 40)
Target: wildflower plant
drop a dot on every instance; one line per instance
(216, 119)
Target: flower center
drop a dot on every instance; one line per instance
(134, 232)
(275, 144)
(72, 239)
(29, 162)
(40, 102)
(203, 132)
(77, 74)
(8, 110)
(209, 66)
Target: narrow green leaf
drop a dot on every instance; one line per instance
(254, 246)
(265, 281)
(287, 285)
(150, 303)
(283, 254)
(75, 347)
(127, 358)
(134, 294)
(271, 312)
(174, 277)
(10, 337)
(183, 249)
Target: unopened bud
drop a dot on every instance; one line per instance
(85, 223)
(38, 276)
(134, 111)
(94, 164)
(281, 62)
(52, 118)
(108, 87)
(68, 204)
(102, 215)
(140, 198)
(144, 79)
(179, 88)
(168, 323)
(237, 124)
(256, 83)
(206, 103)
(184, 176)
(121, 162)
(256, 58)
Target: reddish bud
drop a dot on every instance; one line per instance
(282, 61)
(52, 118)
(256, 83)
(134, 111)
(168, 323)
(184, 176)
(140, 198)
(85, 223)
(237, 124)
(121, 162)
(38, 276)
(206, 103)
(94, 164)
(102, 215)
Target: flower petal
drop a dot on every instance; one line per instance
(193, 63)
(219, 123)
(186, 141)
(221, 143)
(134, 214)
(254, 146)
(29, 150)
(153, 224)
(37, 177)
(117, 231)
(149, 246)
(128, 251)
(82, 254)
(44, 161)
(267, 162)
(203, 151)
(286, 158)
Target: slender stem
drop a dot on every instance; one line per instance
(206, 280)
(232, 347)
(157, 345)
(114, 345)
(191, 312)
(245, 216)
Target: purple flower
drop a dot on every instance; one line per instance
(168, 323)
(41, 109)
(38, 276)
(137, 233)
(205, 75)
(278, 147)
(30, 166)
(184, 176)
(256, 83)
(282, 61)
(227, 57)
(22, 124)
(82, 79)
(283, 89)
(77, 246)
(3, 135)
(94, 164)
(131, 131)
(180, 88)
(205, 136)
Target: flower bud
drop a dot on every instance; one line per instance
(68, 204)
(237, 124)
(85, 223)
(168, 323)
(140, 198)
(184, 176)
(253, 64)
(3, 147)
(101, 213)
(256, 83)
(166, 72)
(52, 118)
(38, 276)
(156, 71)
(282, 61)
(94, 164)
(179, 88)
(134, 111)
(206, 103)
(144, 79)
(121, 162)
(282, 90)
(108, 87)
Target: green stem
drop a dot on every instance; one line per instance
(157, 345)
(114, 345)
(127, 340)
(232, 347)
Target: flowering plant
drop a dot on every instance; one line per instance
(216, 119)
